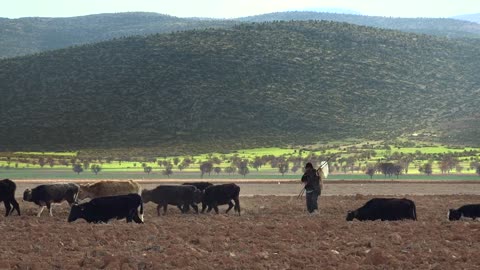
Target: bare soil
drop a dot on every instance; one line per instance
(273, 232)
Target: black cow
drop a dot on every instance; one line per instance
(45, 195)
(220, 195)
(385, 209)
(7, 195)
(201, 186)
(174, 195)
(102, 209)
(469, 210)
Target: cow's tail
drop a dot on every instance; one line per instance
(237, 200)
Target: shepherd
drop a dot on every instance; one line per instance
(313, 180)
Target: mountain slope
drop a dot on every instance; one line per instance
(451, 28)
(32, 35)
(261, 84)
(469, 17)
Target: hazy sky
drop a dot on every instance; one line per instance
(235, 8)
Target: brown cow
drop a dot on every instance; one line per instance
(108, 188)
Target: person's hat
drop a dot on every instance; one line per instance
(308, 165)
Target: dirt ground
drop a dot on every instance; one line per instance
(273, 232)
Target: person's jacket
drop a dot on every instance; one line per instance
(311, 180)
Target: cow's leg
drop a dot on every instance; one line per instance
(204, 206)
(49, 207)
(195, 207)
(15, 206)
(215, 207)
(165, 209)
(41, 210)
(230, 206)
(136, 217)
(237, 205)
(180, 207)
(8, 208)
(209, 209)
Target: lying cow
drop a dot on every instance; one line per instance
(201, 186)
(174, 195)
(385, 209)
(220, 195)
(108, 188)
(7, 195)
(469, 211)
(103, 209)
(46, 195)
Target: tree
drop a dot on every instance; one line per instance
(217, 170)
(397, 169)
(51, 162)
(77, 168)
(176, 161)
(168, 171)
(283, 168)
(371, 170)
(206, 167)
(86, 164)
(147, 169)
(230, 170)
(243, 168)
(477, 170)
(257, 163)
(426, 168)
(95, 168)
(386, 168)
(42, 162)
(295, 168)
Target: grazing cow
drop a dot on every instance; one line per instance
(108, 188)
(7, 195)
(45, 195)
(385, 209)
(174, 195)
(468, 210)
(103, 209)
(201, 186)
(220, 195)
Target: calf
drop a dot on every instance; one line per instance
(108, 188)
(174, 195)
(7, 195)
(45, 195)
(469, 210)
(220, 195)
(385, 209)
(103, 209)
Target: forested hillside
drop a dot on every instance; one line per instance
(469, 17)
(31, 35)
(451, 28)
(253, 84)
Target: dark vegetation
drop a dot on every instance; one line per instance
(32, 35)
(253, 85)
(451, 28)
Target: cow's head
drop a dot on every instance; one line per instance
(146, 197)
(454, 214)
(27, 195)
(351, 215)
(76, 212)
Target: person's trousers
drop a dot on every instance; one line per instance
(312, 200)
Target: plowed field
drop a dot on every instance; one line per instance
(272, 233)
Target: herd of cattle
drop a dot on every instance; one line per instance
(121, 199)
(125, 199)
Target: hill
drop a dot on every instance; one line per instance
(32, 35)
(445, 27)
(251, 85)
(469, 17)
